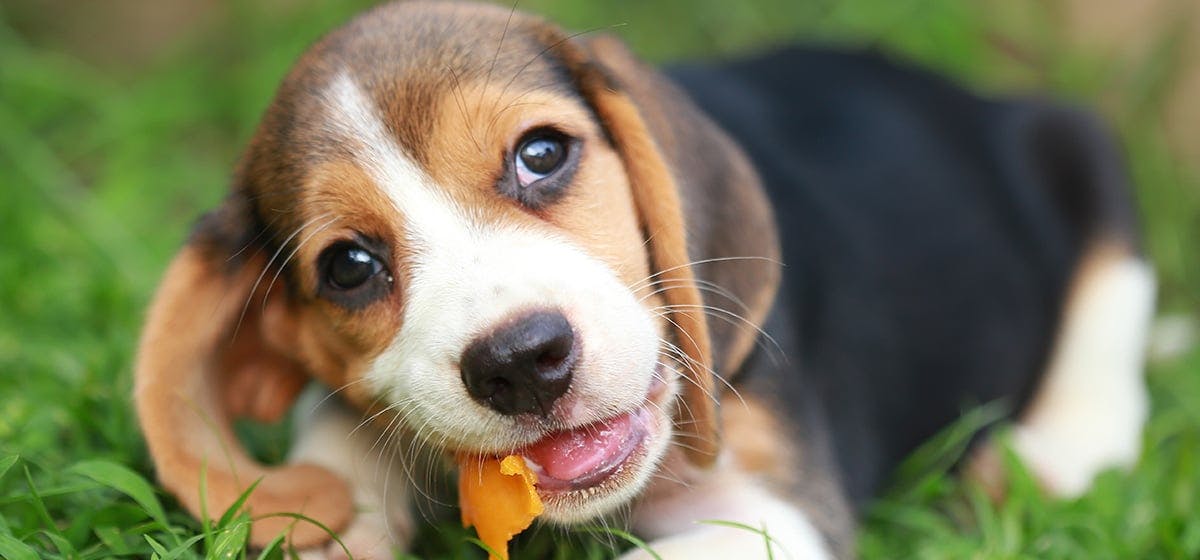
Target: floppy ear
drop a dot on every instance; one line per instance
(711, 234)
(211, 351)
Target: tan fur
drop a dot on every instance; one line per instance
(187, 427)
(657, 199)
(341, 190)
(731, 217)
(654, 129)
(758, 442)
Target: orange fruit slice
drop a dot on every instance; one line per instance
(498, 498)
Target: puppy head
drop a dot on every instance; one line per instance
(472, 224)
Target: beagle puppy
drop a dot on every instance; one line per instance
(738, 292)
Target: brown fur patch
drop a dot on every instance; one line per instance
(657, 199)
(758, 441)
(343, 196)
(186, 426)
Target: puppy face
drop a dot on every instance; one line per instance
(465, 248)
(472, 225)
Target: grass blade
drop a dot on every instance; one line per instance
(49, 526)
(231, 539)
(623, 535)
(112, 539)
(179, 549)
(7, 463)
(160, 552)
(767, 538)
(236, 506)
(276, 545)
(125, 481)
(492, 553)
(13, 549)
(301, 517)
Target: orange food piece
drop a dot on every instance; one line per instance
(497, 497)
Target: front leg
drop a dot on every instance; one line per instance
(331, 434)
(763, 483)
(680, 526)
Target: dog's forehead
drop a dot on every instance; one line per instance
(388, 92)
(428, 37)
(407, 58)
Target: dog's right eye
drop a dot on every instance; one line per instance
(352, 276)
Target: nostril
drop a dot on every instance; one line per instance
(550, 361)
(555, 352)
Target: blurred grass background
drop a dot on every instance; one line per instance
(120, 122)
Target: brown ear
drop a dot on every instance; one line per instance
(705, 216)
(206, 357)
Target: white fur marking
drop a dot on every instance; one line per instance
(1088, 414)
(465, 276)
(675, 521)
(326, 436)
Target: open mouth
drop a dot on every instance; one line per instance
(607, 456)
(584, 457)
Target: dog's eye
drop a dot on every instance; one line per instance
(537, 157)
(349, 266)
(540, 167)
(352, 275)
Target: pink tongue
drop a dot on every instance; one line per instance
(572, 454)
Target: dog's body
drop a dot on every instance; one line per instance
(940, 252)
(930, 239)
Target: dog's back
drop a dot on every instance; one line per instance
(930, 238)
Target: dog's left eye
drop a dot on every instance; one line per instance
(538, 157)
(540, 167)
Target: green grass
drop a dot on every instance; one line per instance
(102, 171)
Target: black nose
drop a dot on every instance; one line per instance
(522, 366)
